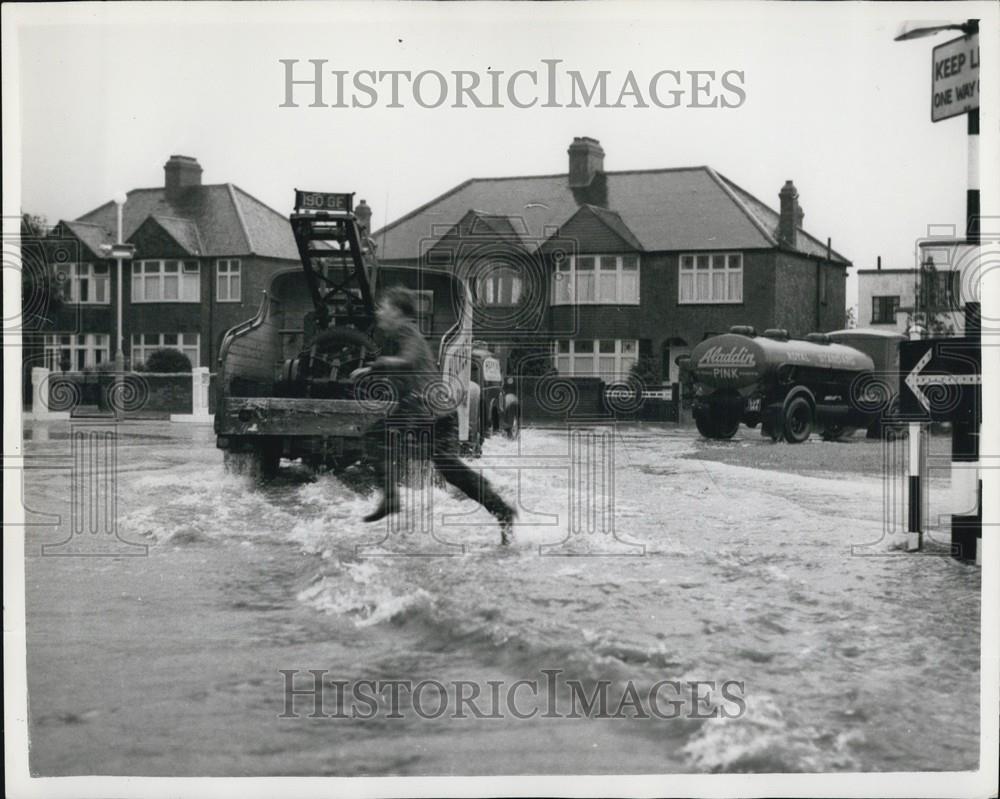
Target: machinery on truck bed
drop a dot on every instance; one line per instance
(285, 387)
(788, 386)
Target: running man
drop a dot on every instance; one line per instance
(413, 371)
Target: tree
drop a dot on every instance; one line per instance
(40, 294)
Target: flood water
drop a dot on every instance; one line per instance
(169, 664)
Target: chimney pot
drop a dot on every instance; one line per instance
(586, 160)
(791, 215)
(181, 172)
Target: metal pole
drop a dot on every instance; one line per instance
(119, 356)
(914, 526)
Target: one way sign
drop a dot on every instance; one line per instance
(941, 378)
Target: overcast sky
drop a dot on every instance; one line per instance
(108, 92)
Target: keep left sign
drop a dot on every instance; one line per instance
(955, 78)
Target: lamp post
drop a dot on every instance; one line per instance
(118, 251)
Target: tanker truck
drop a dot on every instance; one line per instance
(788, 386)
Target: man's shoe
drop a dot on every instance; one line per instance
(385, 507)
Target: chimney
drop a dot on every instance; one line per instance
(791, 214)
(180, 173)
(586, 161)
(363, 213)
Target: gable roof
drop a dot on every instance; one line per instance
(688, 208)
(93, 237)
(219, 219)
(182, 231)
(613, 221)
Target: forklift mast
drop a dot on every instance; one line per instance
(340, 267)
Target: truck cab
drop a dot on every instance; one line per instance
(285, 385)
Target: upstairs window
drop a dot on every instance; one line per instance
(711, 278)
(596, 280)
(227, 277)
(498, 284)
(86, 284)
(166, 281)
(884, 310)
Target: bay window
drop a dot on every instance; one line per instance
(76, 351)
(166, 281)
(596, 280)
(143, 344)
(86, 284)
(609, 359)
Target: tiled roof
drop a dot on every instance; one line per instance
(93, 237)
(616, 224)
(183, 231)
(690, 208)
(226, 220)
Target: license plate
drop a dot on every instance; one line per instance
(753, 405)
(322, 201)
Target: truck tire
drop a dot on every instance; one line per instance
(704, 425)
(798, 421)
(717, 424)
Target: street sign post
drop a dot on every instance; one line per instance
(955, 78)
(941, 379)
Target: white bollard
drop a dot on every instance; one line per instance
(40, 397)
(201, 377)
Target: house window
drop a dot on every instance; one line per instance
(166, 281)
(711, 278)
(76, 352)
(609, 359)
(884, 310)
(498, 284)
(596, 280)
(145, 343)
(87, 284)
(227, 276)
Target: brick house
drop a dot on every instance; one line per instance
(203, 255)
(598, 267)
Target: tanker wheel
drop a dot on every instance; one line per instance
(726, 428)
(798, 420)
(704, 425)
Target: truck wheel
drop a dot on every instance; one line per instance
(514, 429)
(704, 425)
(726, 428)
(798, 420)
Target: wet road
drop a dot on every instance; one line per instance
(169, 664)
